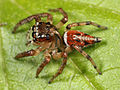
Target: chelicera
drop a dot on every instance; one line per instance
(46, 36)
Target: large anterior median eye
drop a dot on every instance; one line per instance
(48, 23)
(47, 36)
(33, 34)
(33, 28)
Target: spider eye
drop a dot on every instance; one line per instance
(40, 22)
(47, 27)
(47, 36)
(33, 28)
(48, 23)
(33, 34)
(40, 35)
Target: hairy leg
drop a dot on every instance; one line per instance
(43, 64)
(57, 55)
(88, 57)
(68, 27)
(64, 19)
(30, 18)
(29, 53)
(61, 68)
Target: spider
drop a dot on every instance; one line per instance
(47, 38)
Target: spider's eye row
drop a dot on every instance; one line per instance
(40, 22)
(33, 34)
(33, 28)
(36, 35)
(47, 27)
(48, 23)
(47, 36)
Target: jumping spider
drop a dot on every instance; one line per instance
(48, 39)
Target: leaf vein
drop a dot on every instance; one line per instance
(85, 77)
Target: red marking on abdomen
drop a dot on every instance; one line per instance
(79, 38)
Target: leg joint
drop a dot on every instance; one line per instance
(88, 57)
(68, 26)
(88, 22)
(31, 52)
(95, 67)
(64, 20)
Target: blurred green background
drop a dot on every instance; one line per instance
(79, 73)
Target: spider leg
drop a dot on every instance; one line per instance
(43, 64)
(30, 18)
(87, 45)
(64, 19)
(57, 55)
(61, 68)
(68, 27)
(29, 42)
(68, 49)
(29, 53)
(88, 57)
(49, 16)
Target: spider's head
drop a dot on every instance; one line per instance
(43, 31)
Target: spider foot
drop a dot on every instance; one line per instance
(49, 82)
(36, 77)
(100, 73)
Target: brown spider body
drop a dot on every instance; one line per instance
(43, 32)
(46, 36)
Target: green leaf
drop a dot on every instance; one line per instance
(79, 73)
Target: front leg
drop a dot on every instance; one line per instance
(29, 53)
(61, 68)
(64, 19)
(30, 18)
(88, 57)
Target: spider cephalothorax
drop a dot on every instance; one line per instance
(48, 39)
(46, 36)
(43, 31)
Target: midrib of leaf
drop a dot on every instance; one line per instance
(3, 65)
(84, 76)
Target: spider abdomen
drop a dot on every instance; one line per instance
(79, 38)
